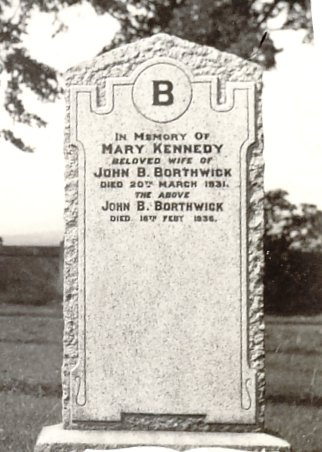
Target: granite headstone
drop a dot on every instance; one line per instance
(163, 302)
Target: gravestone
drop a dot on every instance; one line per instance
(163, 301)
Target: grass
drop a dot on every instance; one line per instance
(23, 417)
(293, 362)
(300, 425)
(31, 351)
(293, 381)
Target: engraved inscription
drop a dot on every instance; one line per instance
(163, 249)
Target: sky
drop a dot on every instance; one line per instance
(32, 185)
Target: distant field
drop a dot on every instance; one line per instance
(30, 275)
(31, 351)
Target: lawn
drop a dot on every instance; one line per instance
(293, 381)
(31, 351)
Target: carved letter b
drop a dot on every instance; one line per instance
(162, 92)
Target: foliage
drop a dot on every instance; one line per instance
(19, 70)
(293, 255)
(237, 26)
(289, 226)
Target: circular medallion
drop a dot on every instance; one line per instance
(162, 92)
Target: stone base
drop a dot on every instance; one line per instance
(56, 439)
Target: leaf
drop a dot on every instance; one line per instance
(8, 135)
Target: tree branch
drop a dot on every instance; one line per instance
(268, 12)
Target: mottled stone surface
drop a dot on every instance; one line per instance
(164, 320)
(56, 439)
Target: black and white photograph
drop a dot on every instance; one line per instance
(160, 225)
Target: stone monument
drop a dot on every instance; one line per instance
(163, 299)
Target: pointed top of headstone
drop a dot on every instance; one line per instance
(202, 60)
